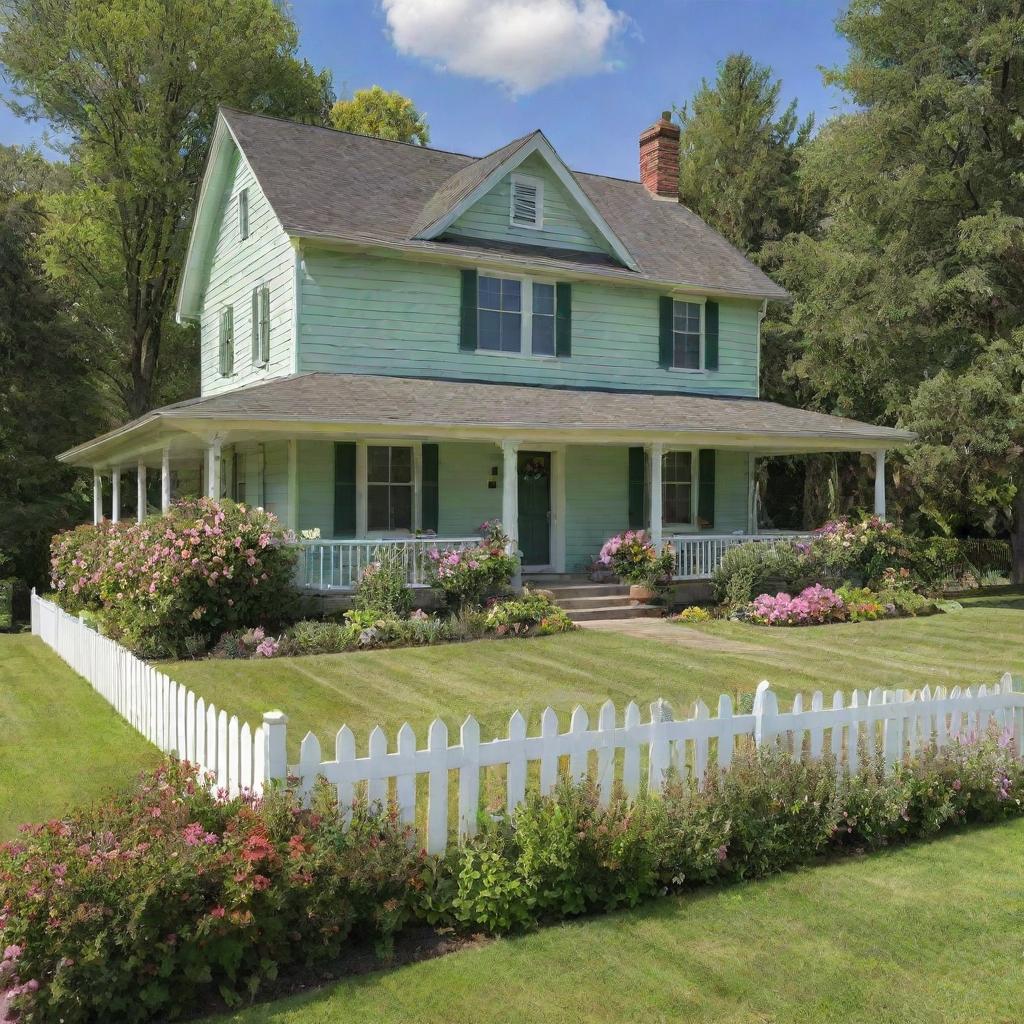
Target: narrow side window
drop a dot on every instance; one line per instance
(227, 342)
(243, 213)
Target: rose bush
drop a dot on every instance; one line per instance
(467, 575)
(172, 584)
(813, 605)
(632, 557)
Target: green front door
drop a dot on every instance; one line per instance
(535, 507)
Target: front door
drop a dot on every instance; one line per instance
(535, 507)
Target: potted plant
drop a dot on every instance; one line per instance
(632, 557)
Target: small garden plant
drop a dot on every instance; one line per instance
(467, 576)
(631, 555)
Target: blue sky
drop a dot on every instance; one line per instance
(591, 73)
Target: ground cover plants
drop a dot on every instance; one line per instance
(151, 905)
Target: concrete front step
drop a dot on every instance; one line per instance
(576, 590)
(623, 611)
(595, 601)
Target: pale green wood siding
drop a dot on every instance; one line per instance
(365, 314)
(596, 501)
(464, 499)
(275, 479)
(731, 491)
(236, 267)
(565, 224)
(316, 486)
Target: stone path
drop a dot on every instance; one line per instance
(672, 633)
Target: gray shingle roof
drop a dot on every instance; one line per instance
(415, 401)
(328, 184)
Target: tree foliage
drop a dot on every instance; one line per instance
(135, 86)
(383, 114)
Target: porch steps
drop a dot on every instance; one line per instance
(590, 602)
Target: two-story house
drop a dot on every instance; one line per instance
(399, 341)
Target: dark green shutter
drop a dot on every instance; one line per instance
(265, 324)
(255, 327)
(429, 518)
(710, 335)
(706, 489)
(665, 331)
(467, 320)
(637, 488)
(345, 489)
(563, 319)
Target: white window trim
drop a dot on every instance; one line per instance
(526, 312)
(533, 182)
(697, 300)
(363, 487)
(242, 199)
(691, 526)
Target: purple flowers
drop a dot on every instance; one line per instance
(816, 604)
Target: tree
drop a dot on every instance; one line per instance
(46, 402)
(909, 297)
(135, 85)
(739, 157)
(385, 115)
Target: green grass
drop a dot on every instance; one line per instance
(929, 934)
(491, 678)
(61, 745)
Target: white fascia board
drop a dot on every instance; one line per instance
(538, 144)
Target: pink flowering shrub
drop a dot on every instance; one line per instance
(174, 583)
(816, 604)
(148, 907)
(467, 575)
(632, 557)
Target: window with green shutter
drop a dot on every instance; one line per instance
(261, 325)
(687, 334)
(706, 486)
(430, 495)
(227, 342)
(345, 489)
(637, 488)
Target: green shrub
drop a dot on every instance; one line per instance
(382, 587)
(746, 570)
(202, 569)
(314, 637)
(531, 612)
(149, 907)
(906, 602)
(6, 604)
(695, 613)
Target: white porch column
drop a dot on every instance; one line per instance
(293, 485)
(510, 496)
(165, 480)
(213, 469)
(140, 492)
(97, 496)
(656, 452)
(880, 483)
(751, 494)
(115, 494)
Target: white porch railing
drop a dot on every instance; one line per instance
(338, 564)
(699, 555)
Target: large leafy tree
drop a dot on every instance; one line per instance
(134, 86)
(911, 299)
(386, 115)
(46, 401)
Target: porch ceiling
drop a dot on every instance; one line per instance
(319, 404)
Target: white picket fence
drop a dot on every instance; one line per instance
(167, 713)
(887, 724)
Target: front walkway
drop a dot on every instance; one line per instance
(673, 633)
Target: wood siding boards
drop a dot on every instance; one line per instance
(237, 266)
(565, 225)
(366, 314)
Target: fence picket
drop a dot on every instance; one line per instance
(377, 784)
(726, 736)
(469, 777)
(631, 751)
(405, 777)
(345, 754)
(549, 750)
(606, 752)
(245, 757)
(515, 782)
(577, 744)
(700, 743)
(437, 787)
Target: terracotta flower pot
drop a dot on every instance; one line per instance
(640, 593)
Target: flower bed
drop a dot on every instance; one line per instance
(632, 557)
(466, 576)
(172, 584)
(148, 907)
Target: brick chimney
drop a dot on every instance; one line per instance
(659, 158)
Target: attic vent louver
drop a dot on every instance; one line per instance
(527, 202)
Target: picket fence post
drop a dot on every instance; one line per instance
(275, 755)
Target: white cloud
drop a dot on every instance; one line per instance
(521, 44)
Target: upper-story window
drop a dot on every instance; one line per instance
(243, 213)
(226, 342)
(527, 205)
(389, 487)
(517, 315)
(687, 335)
(261, 325)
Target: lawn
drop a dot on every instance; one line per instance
(62, 744)
(921, 935)
(491, 678)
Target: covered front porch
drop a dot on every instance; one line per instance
(352, 463)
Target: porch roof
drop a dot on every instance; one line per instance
(317, 402)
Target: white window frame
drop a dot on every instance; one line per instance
(525, 311)
(691, 526)
(244, 228)
(696, 300)
(532, 182)
(363, 486)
